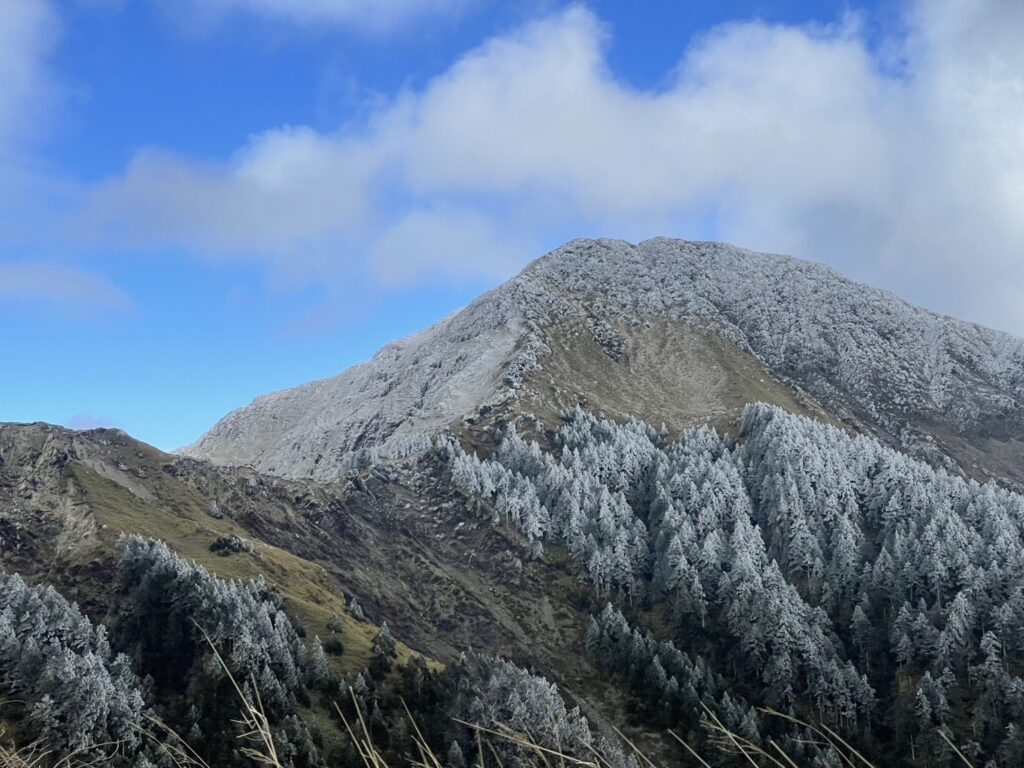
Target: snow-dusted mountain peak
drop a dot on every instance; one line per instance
(865, 355)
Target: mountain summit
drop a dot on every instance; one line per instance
(671, 331)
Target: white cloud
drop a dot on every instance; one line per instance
(289, 194)
(795, 139)
(446, 243)
(375, 15)
(29, 95)
(67, 289)
(28, 31)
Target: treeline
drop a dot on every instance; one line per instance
(675, 691)
(70, 690)
(821, 574)
(672, 688)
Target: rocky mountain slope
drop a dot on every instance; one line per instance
(667, 330)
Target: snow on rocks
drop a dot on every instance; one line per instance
(857, 349)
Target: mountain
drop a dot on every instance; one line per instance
(410, 548)
(669, 331)
(636, 488)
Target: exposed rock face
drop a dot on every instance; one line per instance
(392, 403)
(935, 385)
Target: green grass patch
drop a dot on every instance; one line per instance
(182, 521)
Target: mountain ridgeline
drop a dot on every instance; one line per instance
(666, 331)
(671, 486)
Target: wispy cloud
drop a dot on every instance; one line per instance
(28, 31)
(59, 287)
(795, 139)
(373, 15)
(30, 96)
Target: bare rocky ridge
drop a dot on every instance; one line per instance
(683, 330)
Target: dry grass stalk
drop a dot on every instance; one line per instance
(261, 749)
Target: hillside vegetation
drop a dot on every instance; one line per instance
(822, 575)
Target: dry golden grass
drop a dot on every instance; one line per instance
(258, 744)
(259, 747)
(36, 756)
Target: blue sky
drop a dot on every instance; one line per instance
(204, 201)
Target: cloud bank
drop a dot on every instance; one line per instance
(29, 31)
(902, 164)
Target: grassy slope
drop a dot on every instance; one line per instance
(76, 493)
(675, 372)
(183, 522)
(179, 517)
